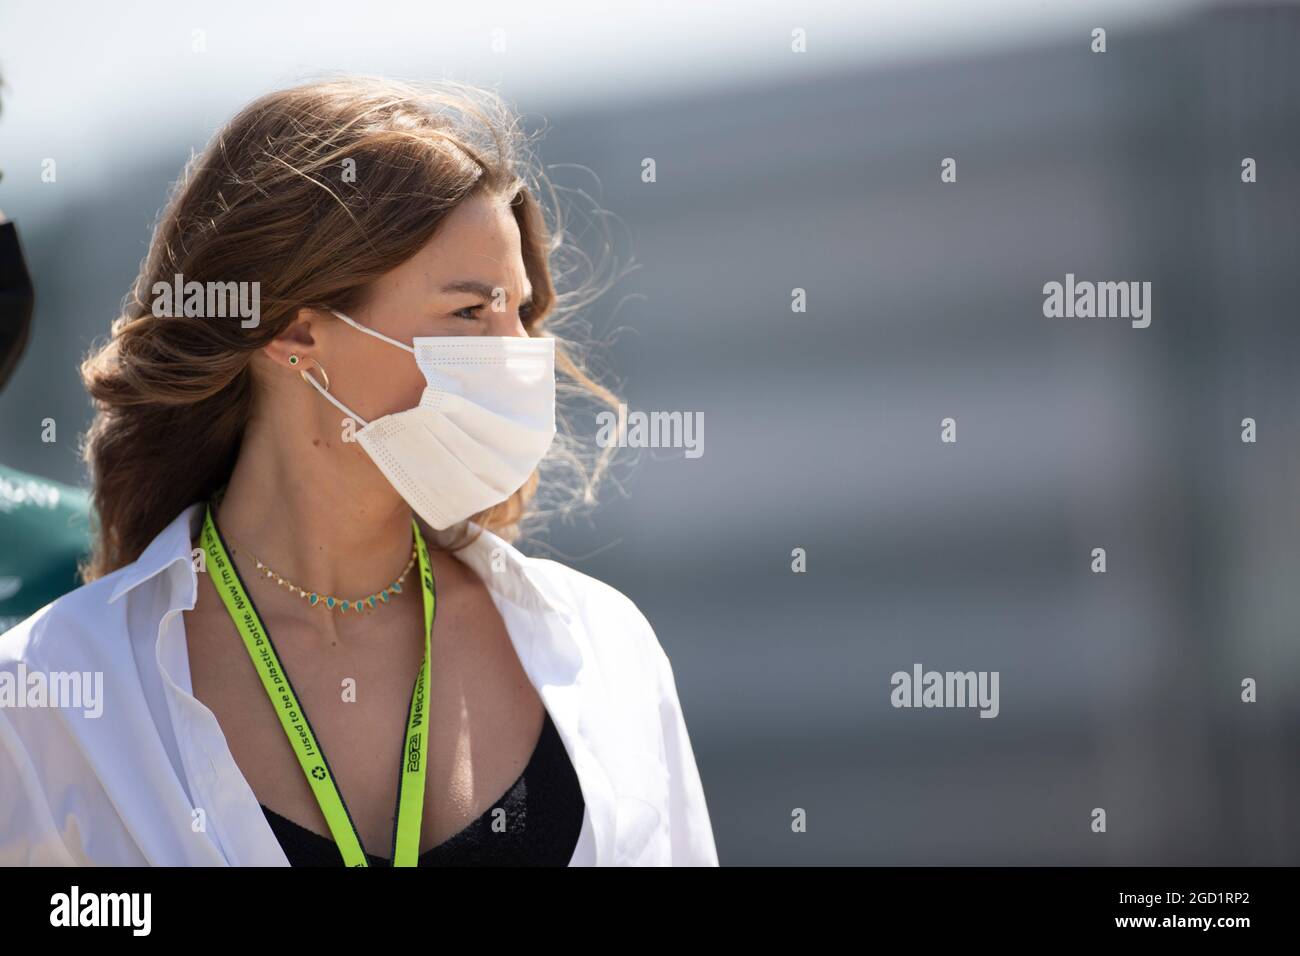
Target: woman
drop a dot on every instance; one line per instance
(317, 643)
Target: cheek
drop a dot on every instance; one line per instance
(400, 382)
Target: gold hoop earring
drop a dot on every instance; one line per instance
(308, 379)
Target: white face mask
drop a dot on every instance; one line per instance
(484, 422)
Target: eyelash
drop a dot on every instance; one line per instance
(525, 313)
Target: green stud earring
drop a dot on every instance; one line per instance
(293, 360)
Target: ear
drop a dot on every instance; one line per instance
(296, 347)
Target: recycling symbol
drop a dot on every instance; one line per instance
(318, 772)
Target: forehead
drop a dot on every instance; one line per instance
(479, 239)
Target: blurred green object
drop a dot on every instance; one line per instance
(44, 533)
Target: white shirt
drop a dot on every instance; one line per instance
(125, 787)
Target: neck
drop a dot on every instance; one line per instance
(316, 518)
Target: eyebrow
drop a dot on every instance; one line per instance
(474, 287)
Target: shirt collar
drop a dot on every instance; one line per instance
(172, 545)
(502, 567)
(511, 573)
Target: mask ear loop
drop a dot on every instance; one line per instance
(379, 335)
(311, 380)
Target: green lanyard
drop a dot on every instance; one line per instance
(410, 794)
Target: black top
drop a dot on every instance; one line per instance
(543, 817)
(16, 300)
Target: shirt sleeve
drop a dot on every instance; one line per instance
(28, 834)
(688, 812)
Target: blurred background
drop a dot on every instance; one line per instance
(821, 171)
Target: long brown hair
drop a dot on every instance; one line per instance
(312, 192)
